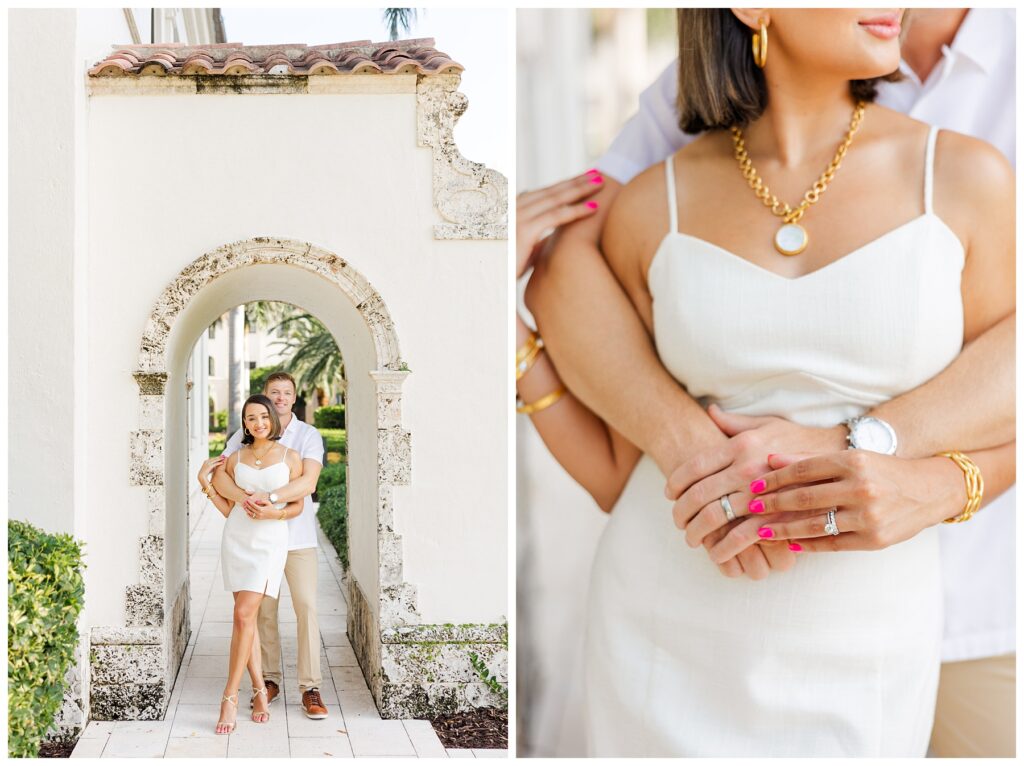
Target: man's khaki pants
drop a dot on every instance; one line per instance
(300, 572)
(975, 714)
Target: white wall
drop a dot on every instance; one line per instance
(343, 172)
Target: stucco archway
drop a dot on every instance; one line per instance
(133, 667)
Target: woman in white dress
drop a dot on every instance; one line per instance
(902, 262)
(254, 546)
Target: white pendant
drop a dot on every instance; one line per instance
(791, 239)
(259, 462)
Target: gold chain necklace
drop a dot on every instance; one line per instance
(791, 238)
(259, 458)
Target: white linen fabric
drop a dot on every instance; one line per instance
(306, 440)
(839, 657)
(972, 91)
(253, 553)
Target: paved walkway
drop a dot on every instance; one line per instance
(354, 727)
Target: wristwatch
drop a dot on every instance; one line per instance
(872, 434)
(273, 497)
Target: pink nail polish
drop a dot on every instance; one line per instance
(756, 505)
(596, 180)
(593, 170)
(764, 533)
(795, 547)
(592, 205)
(758, 485)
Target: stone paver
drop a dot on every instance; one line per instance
(353, 728)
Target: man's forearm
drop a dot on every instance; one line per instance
(968, 406)
(604, 354)
(226, 486)
(296, 489)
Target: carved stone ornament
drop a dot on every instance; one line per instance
(470, 196)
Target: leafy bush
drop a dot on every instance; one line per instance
(333, 517)
(331, 476)
(217, 444)
(258, 378)
(45, 595)
(219, 422)
(330, 417)
(336, 439)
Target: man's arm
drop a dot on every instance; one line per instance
(312, 452)
(223, 483)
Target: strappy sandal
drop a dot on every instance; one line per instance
(257, 693)
(232, 724)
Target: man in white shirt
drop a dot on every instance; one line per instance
(959, 74)
(301, 566)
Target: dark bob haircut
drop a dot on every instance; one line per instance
(719, 84)
(275, 421)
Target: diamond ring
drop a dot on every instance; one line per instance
(830, 522)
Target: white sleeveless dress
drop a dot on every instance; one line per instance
(253, 553)
(840, 655)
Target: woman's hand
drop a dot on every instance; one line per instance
(262, 512)
(207, 468)
(881, 500)
(538, 212)
(698, 485)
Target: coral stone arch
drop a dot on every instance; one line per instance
(133, 667)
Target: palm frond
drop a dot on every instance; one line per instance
(399, 18)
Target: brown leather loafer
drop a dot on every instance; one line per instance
(313, 705)
(272, 690)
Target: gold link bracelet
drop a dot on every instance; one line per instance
(974, 482)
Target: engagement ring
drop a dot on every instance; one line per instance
(830, 523)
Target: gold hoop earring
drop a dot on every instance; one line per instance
(759, 43)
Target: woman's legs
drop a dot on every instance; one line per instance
(247, 604)
(255, 666)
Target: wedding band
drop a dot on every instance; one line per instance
(830, 522)
(730, 514)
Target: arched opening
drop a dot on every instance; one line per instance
(300, 274)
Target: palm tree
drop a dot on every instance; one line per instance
(263, 315)
(399, 18)
(316, 361)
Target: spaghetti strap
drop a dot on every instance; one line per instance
(929, 169)
(670, 183)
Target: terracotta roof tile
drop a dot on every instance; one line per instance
(358, 57)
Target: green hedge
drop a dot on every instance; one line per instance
(330, 417)
(333, 516)
(45, 595)
(258, 378)
(332, 475)
(219, 422)
(336, 438)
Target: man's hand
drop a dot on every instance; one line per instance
(698, 485)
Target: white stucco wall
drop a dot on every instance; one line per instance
(343, 172)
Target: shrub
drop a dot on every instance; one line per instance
(217, 444)
(333, 517)
(219, 422)
(258, 377)
(336, 439)
(45, 594)
(332, 475)
(330, 417)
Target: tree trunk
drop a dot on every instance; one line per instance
(237, 383)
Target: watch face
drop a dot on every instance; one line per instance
(872, 434)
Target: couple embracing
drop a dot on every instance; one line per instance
(262, 485)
